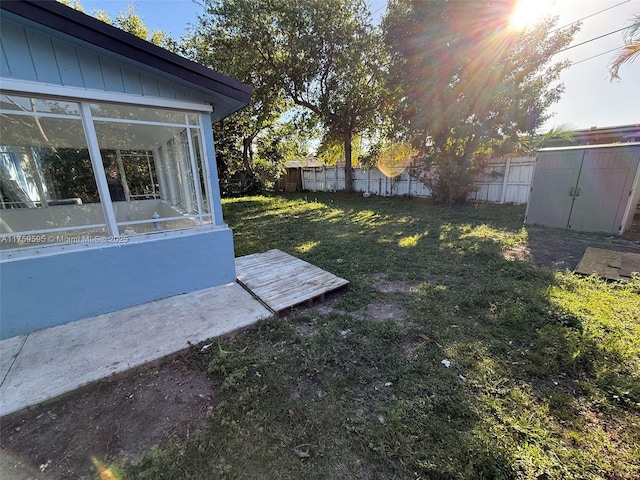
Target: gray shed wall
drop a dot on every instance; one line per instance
(593, 189)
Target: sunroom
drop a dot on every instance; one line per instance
(77, 172)
(109, 193)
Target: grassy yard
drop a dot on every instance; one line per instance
(543, 368)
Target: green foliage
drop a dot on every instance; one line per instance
(631, 50)
(311, 52)
(214, 45)
(530, 143)
(69, 174)
(449, 180)
(463, 80)
(331, 151)
(130, 22)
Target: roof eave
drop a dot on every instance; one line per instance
(71, 22)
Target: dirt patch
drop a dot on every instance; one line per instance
(562, 249)
(117, 418)
(382, 284)
(305, 329)
(381, 311)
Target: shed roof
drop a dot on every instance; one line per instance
(599, 135)
(306, 163)
(590, 147)
(74, 23)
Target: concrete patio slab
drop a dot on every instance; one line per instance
(9, 350)
(54, 361)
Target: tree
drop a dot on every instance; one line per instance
(130, 22)
(463, 80)
(325, 56)
(214, 46)
(630, 51)
(331, 150)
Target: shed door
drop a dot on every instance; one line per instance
(606, 181)
(554, 183)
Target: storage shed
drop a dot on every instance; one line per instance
(291, 181)
(109, 193)
(587, 188)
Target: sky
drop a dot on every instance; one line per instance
(590, 98)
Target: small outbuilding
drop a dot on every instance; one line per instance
(592, 188)
(109, 192)
(291, 181)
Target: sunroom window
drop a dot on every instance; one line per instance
(76, 172)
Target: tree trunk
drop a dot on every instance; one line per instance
(348, 171)
(247, 157)
(469, 150)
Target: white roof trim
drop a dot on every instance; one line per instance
(26, 87)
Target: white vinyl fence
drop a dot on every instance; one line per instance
(505, 180)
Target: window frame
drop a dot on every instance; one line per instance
(84, 99)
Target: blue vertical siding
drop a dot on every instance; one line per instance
(131, 80)
(166, 88)
(36, 54)
(66, 56)
(112, 75)
(4, 65)
(16, 51)
(43, 57)
(149, 84)
(182, 92)
(90, 69)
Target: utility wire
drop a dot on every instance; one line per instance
(598, 55)
(588, 16)
(591, 40)
(383, 6)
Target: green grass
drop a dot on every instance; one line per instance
(544, 379)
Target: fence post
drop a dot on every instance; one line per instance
(368, 180)
(505, 180)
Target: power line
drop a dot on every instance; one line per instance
(588, 16)
(598, 55)
(383, 6)
(592, 39)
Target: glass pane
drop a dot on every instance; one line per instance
(126, 112)
(150, 175)
(35, 131)
(202, 178)
(47, 182)
(38, 105)
(140, 171)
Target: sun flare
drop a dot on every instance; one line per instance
(527, 12)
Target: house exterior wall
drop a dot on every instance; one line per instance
(60, 285)
(55, 289)
(34, 53)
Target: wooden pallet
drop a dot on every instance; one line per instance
(609, 264)
(281, 281)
